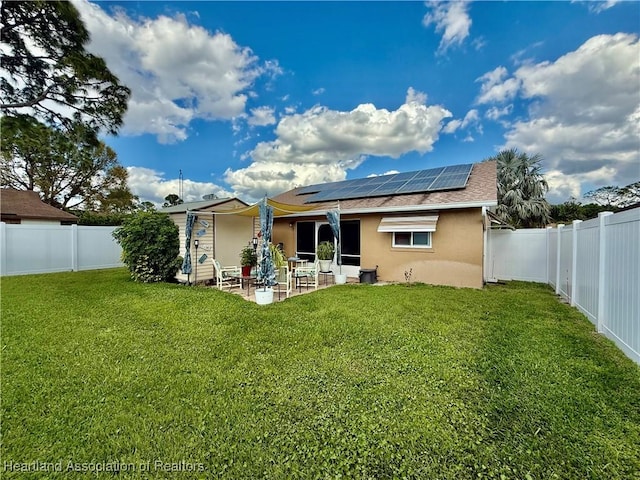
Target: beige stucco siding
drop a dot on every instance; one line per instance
(455, 257)
(233, 232)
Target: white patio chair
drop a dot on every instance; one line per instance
(308, 273)
(283, 277)
(224, 275)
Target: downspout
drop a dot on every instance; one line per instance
(485, 236)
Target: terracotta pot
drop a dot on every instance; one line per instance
(246, 270)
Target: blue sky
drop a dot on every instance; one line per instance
(248, 98)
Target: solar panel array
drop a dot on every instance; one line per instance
(434, 179)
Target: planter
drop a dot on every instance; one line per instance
(264, 296)
(341, 278)
(246, 270)
(325, 265)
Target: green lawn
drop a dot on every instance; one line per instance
(358, 381)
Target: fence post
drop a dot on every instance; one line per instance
(3, 248)
(548, 254)
(574, 263)
(602, 260)
(559, 250)
(74, 247)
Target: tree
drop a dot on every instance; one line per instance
(69, 169)
(146, 206)
(521, 189)
(47, 73)
(615, 197)
(572, 210)
(172, 200)
(150, 246)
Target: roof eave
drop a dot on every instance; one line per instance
(400, 208)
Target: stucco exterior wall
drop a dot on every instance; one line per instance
(455, 258)
(233, 232)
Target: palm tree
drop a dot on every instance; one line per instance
(521, 189)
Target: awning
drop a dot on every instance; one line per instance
(279, 209)
(408, 224)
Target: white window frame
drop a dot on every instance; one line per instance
(411, 245)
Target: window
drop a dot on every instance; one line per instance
(350, 248)
(309, 234)
(412, 239)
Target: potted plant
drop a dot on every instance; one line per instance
(248, 260)
(325, 252)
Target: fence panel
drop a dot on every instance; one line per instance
(37, 249)
(552, 259)
(622, 281)
(516, 255)
(587, 274)
(604, 280)
(29, 249)
(97, 248)
(566, 261)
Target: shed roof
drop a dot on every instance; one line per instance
(481, 189)
(26, 204)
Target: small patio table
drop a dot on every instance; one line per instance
(248, 279)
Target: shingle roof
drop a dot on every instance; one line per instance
(481, 188)
(26, 204)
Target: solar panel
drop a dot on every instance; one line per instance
(403, 176)
(440, 178)
(433, 172)
(453, 169)
(388, 188)
(449, 182)
(416, 185)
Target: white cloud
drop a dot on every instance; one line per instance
(451, 19)
(150, 185)
(495, 88)
(177, 71)
(262, 116)
(584, 110)
(600, 5)
(495, 113)
(471, 118)
(388, 172)
(320, 145)
(318, 91)
(562, 186)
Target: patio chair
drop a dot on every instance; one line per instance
(224, 275)
(309, 273)
(283, 277)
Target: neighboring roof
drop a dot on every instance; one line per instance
(26, 204)
(481, 190)
(200, 205)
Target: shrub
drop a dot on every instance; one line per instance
(150, 246)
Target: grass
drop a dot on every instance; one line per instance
(358, 381)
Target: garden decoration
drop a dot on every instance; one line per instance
(188, 229)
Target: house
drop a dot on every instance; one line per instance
(220, 236)
(25, 207)
(429, 226)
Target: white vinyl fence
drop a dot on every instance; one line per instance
(595, 265)
(26, 249)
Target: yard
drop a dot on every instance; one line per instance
(360, 381)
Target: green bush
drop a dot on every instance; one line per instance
(150, 246)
